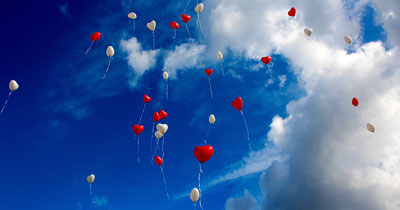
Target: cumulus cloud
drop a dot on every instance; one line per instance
(282, 80)
(248, 202)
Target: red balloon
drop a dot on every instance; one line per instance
(238, 103)
(209, 72)
(146, 98)
(292, 12)
(158, 160)
(163, 114)
(156, 117)
(137, 129)
(355, 101)
(185, 18)
(95, 36)
(203, 153)
(174, 25)
(266, 60)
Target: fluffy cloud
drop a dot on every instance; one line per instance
(248, 202)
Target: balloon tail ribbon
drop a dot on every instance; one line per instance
(91, 194)
(141, 115)
(2, 110)
(138, 150)
(187, 29)
(209, 82)
(198, 19)
(195, 206)
(247, 129)
(174, 37)
(90, 47)
(162, 148)
(186, 6)
(199, 177)
(222, 68)
(155, 150)
(134, 25)
(208, 132)
(270, 71)
(201, 27)
(108, 67)
(165, 182)
(151, 141)
(154, 42)
(167, 88)
(359, 117)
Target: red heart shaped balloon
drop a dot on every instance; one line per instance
(146, 98)
(163, 114)
(203, 153)
(158, 160)
(209, 72)
(156, 117)
(185, 18)
(238, 103)
(137, 129)
(266, 60)
(292, 12)
(95, 36)
(174, 25)
(355, 101)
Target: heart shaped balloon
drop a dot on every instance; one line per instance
(292, 12)
(203, 153)
(137, 129)
(185, 18)
(158, 134)
(156, 117)
(209, 72)
(162, 128)
(354, 101)
(95, 36)
(174, 25)
(238, 103)
(151, 25)
(163, 114)
(266, 60)
(146, 98)
(158, 160)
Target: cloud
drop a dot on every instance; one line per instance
(100, 201)
(282, 79)
(64, 9)
(248, 202)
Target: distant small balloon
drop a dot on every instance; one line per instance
(132, 15)
(219, 55)
(165, 75)
(354, 101)
(13, 85)
(151, 25)
(90, 178)
(211, 119)
(158, 134)
(348, 39)
(308, 31)
(162, 128)
(370, 127)
(158, 160)
(194, 195)
(199, 8)
(110, 51)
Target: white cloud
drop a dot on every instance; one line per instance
(248, 202)
(100, 201)
(282, 79)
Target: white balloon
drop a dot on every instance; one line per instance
(13, 85)
(308, 31)
(195, 195)
(348, 39)
(152, 25)
(370, 127)
(110, 51)
(211, 119)
(199, 8)
(132, 15)
(162, 128)
(158, 134)
(219, 55)
(90, 178)
(165, 75)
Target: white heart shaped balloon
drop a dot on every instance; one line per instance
(199, 8)
(162, 128)
(308, 31)
(110, 51)
(158, 134)
(132, 15)
(90, 178)
(211, 119)
(165, 75)
(348, 39)
(219, 55)
(13, 85)
(152, 25)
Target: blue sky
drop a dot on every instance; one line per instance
(65, 123)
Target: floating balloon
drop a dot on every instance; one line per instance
(370, 127)
(292, 12)
(110, 54)
(203, 153)
(175, 26)
(238, 104)
(348, 39)
(211, 119)
(132, 16)
(146, 98)
(163, 114)
(94, 38)
(156, 117)
(152, 27)
(165, 76)
(158, 160)
(13, 85)
(162, 128)
(354, 101)
(138, 130)
(158, 134)
(185, 19)
(198, 9)
(308, 31)
(219, 57)
(209, 72)
(90, 178)
(194, 195)
(266, 60)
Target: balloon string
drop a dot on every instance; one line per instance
(138, 150)
(167, 89)
(141, 115)
(108, 67)
(2, 110)
(359, 117)
(165, 182)
(134, 24)
(198, 19)
(91, 194)
(222, 68)
(270, 70)
(162, 148)
(201, 29)
(186, 6)
(154, 42)
(90, 47)
(155, 150)
(247, 129)
(187, 29)
(151, 142)
(195, 206)
(208, 132)
(209, 82)
(174, 37)
(199, 178)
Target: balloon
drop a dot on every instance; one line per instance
(199, 8)
(90, 178)
(146, 98)
(132, 15)
(292, 12)
(163, 114)
(174, 25)
(162, 128)
(185, 18)
(156, 117)
(219, 55)
(95, 36)
(152, 25)
(308, 31)
(158, 160)
(348, 39)
(158, 134)
(209, 72)
(138, 129)
(195, 195)
(238, 103)
(110, 51)
(370, 127)
(266, 60)
(203, 153)
(165, 75)
(354, 101)
(211, 119)
(13, 85)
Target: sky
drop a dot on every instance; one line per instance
(310, 146)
